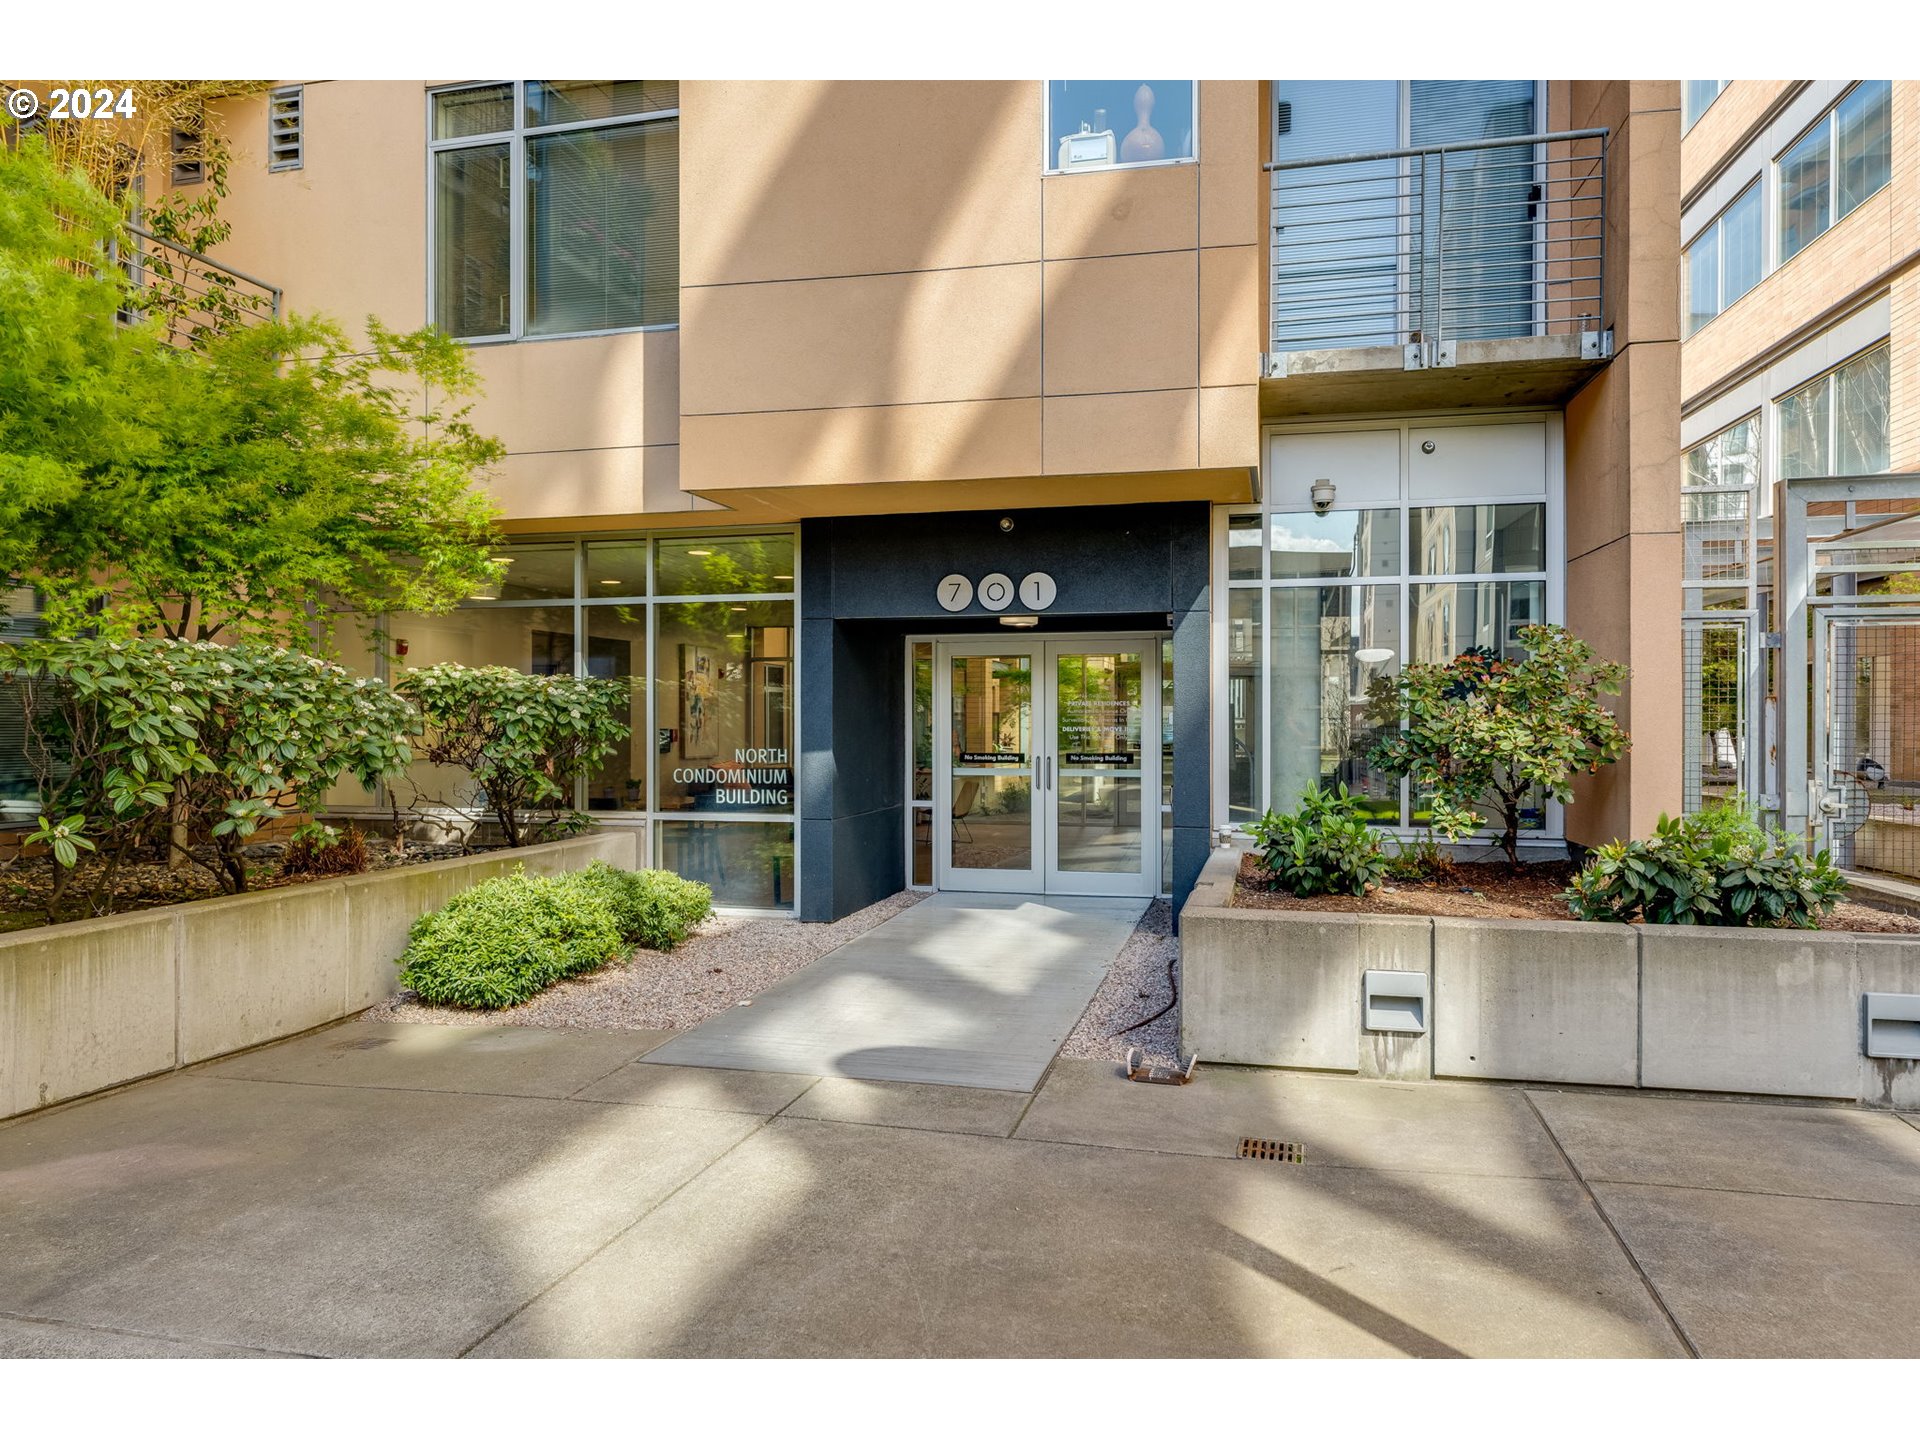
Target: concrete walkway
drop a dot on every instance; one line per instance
(388, 1189)
(959, 990)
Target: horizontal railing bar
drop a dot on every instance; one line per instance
(1452, 148)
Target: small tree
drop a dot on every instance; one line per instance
(1480, 733)
(523, 738)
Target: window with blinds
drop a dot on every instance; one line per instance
(286, 128)
(556, 207)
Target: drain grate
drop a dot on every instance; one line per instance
(1285, 1151)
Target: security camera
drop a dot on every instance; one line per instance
(1322, 493)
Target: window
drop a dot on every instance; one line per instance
(1099, 124)
(1322, 611)
(1726, 260)
(1828, 172)
(1837, 425)
(189, 165)
(1695, 98)
(286, 128)
(555, 207)
(701, 629)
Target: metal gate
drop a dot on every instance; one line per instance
(1866, 743)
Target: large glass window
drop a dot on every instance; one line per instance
(1323, 611)
(701, 629)
(1726, 260)
(593, 168)
(1846, 157)
(1098, 124)
(1837, 425)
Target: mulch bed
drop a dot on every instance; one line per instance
(24, 884)
(1495, 892)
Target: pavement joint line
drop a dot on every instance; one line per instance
(1758, 1194)
(1911, 1119)
(1653, 1290)
(54, 1324)
(611, 1240)
(630, 1060)
(575, 1099)
(796, 1099)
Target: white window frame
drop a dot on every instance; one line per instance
(516, 140)
(1777, 426)
(1049, 142)
(1717, 228)
(1776, 239)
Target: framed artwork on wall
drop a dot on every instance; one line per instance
(699, 669)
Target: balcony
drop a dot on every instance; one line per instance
(1446, 275)
(193, 295)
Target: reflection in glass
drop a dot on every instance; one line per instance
(1243, 705)
(1451, 618)
(1243, 547)
(1333, 648)
(1861, 431)
(560, 102)
(992, 757)
(603, 228)
(748, 865)
(923, 721)
(1804, 429)
(725, 565)
(1343, 542)
(616, 568)
(1862, 144)
(1478, 539)
(1097, 734)
(472, 241)
(616, 649)
(478, 110)
(356, 643)
(1119, 122)
(724, 672)
(533, 572)
(1805, 191)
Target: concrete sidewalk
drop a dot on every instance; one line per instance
(959, 990)
(381, 1189)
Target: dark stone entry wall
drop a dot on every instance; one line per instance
(867, 582)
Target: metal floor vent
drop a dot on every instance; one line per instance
(1285, 1151)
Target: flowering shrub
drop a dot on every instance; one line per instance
(1720, 867)
(138, 743)
(523, 738)
(1482, 732)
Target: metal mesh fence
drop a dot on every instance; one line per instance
(1873, 744)
(1715, 706)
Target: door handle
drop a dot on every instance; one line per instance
(1049, 772)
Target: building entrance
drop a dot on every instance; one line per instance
(1047, 765)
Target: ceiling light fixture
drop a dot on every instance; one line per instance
(699, 552)
(1020, 622)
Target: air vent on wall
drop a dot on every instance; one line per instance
(286, 128)
(188, 166)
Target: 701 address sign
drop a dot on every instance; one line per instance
(997, 591)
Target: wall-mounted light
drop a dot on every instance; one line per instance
(1373, 655)
(1006, 524)
(1020, 622)
(1322, 496)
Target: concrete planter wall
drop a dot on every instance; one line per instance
(1763, 1012)
(97, 1003)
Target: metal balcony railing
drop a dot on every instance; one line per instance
(193, 295)
(1421, 248)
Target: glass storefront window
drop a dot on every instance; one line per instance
(1344, 542)
(1243, 547)
(1244, 750)
(1334, 650)
(724, 678)
(738, 565)
(1479, 539)
(710, 697)
(746, 865)
(922, 800)
(1488, 614)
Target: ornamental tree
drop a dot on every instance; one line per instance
(523, 739)
(142, 743)
(252, 483)
(1480, 733)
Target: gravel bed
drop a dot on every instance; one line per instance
(1135, 987)
(729, 959)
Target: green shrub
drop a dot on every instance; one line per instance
(1323, 847)
(507, 939)
(1418, 860)
(1719, 867)
(319, 855)
(653, 908)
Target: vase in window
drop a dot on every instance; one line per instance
(1143, 142)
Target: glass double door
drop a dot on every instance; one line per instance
(1049, 773)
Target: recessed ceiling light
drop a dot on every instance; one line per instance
(609, 582)
(739, 607)
(699, 552)
(783, 577)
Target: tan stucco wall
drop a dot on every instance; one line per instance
(1623, 461)
(881, 288)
